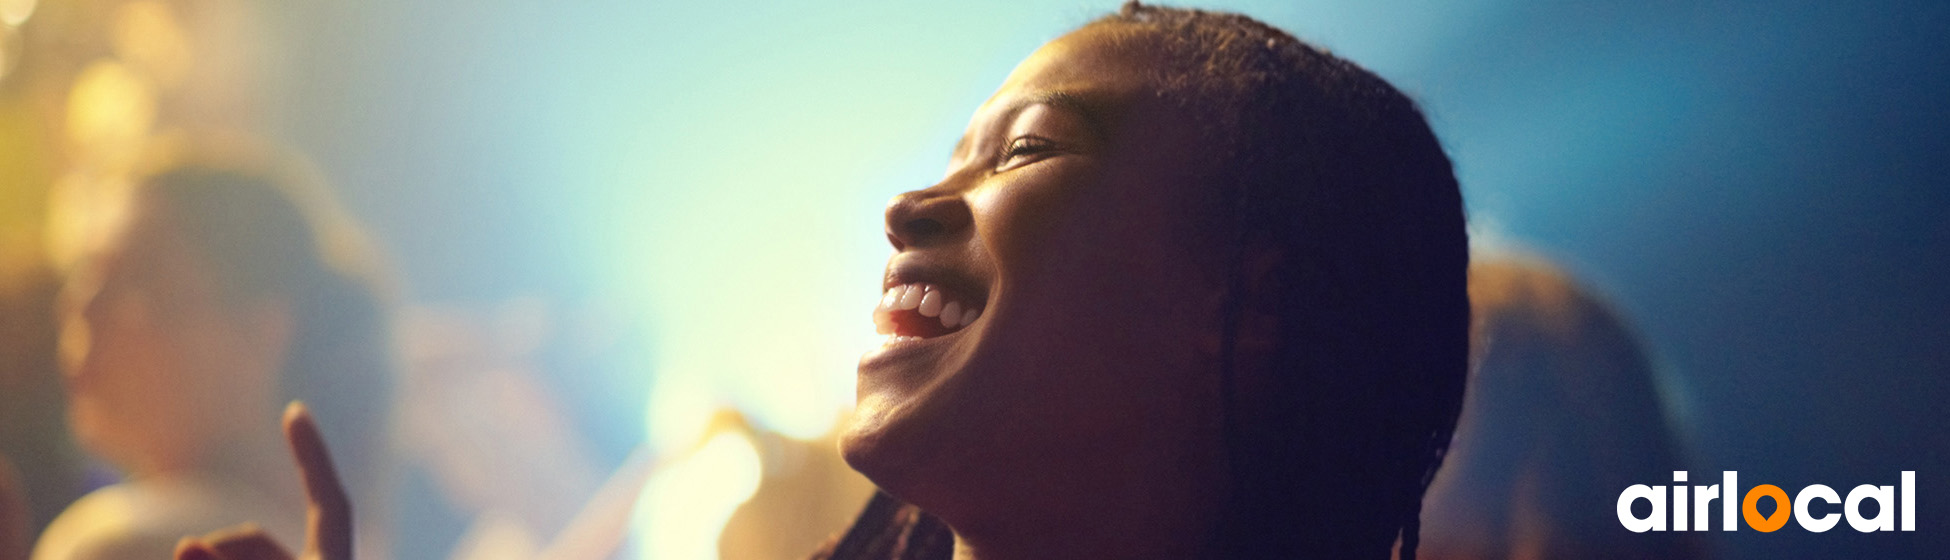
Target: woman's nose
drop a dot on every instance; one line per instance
(922, 217)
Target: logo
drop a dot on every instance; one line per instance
(1749, 506)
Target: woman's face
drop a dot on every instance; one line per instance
(1050, 319)
(158, 368)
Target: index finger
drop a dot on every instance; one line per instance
(330, 517)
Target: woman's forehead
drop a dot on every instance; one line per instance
(1093, 72)
(1092, 59)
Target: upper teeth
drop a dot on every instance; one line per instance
(926, 299)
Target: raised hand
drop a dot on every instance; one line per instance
(329, 520)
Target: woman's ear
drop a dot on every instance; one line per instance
(1258, 297)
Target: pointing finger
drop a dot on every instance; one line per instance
(331, 512)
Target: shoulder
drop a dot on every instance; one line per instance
(144, 520)
(107, 524)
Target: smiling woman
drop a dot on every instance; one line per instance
(1190, 288)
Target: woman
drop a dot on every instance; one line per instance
(1190, 289)
(1218, 288)
(224, 292)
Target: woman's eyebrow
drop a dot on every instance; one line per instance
(1094, 112)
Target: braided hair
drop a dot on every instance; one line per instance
(1337, 172)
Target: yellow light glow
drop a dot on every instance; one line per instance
(110, 110)
(680, 409)
(9, 48)
(685, 505)
(83, 212)
(147, 34)
(16, 12)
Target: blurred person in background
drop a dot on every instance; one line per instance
(85, 85)
(1562, 412)
(227, 285)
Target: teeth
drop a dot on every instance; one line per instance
(924, 299)
(931, 304)
(950, 315)
(911, 297)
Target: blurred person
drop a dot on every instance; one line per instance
(1563, 412)
(1191, 288)
(227, 286)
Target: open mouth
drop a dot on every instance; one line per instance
(922, 310)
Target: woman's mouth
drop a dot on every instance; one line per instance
(921, 310)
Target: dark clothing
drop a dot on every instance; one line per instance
(891, 530)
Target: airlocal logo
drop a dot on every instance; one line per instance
(1703, 496)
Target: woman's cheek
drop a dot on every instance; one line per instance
(1034, 209)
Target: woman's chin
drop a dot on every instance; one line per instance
(881, 443)
(863, 441)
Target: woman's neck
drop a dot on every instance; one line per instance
(1172, 519)
(1108, 536)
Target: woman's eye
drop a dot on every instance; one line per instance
(1024, 147)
